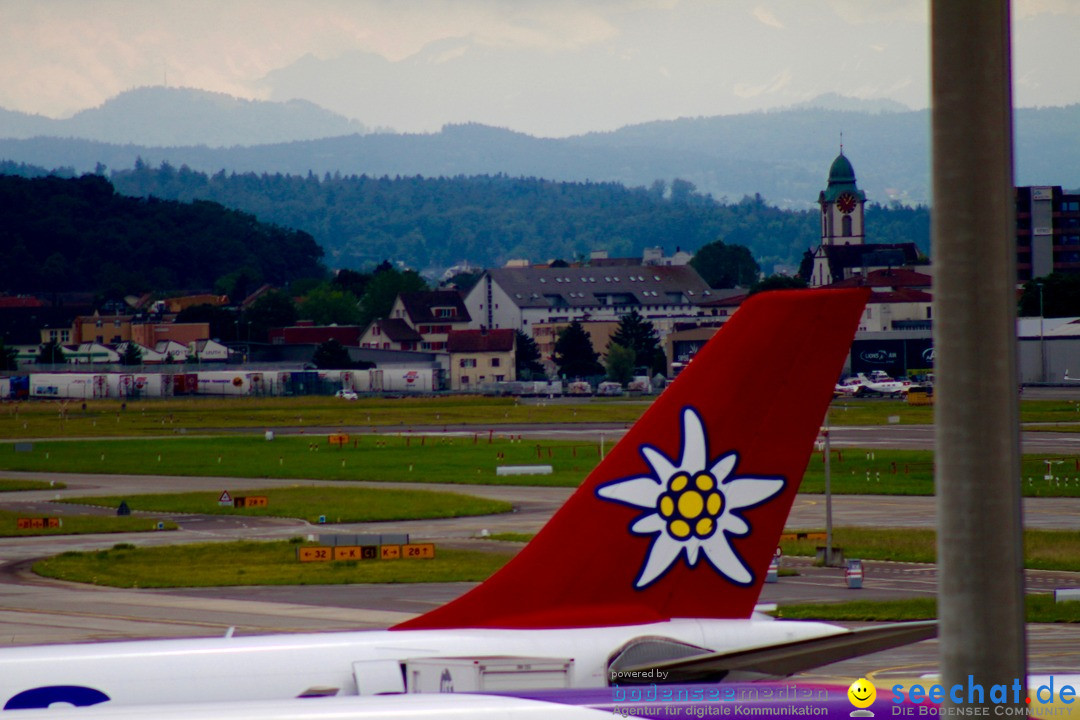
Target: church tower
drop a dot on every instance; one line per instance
(842, 206)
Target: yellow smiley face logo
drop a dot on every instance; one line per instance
(862, 693)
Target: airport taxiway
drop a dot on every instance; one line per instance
(34, 610)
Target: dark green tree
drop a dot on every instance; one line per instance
(302, 286)
(527, 358)
(224, 322)
(132, 355)
(726, 266)
(351, 281)
(1060, 296)
(806, 266)
(384, 288)
(620, 363)
(274, 309)
(326, 305)
(50, 354)
(332, 355)
(80, 235)
(778, 282)
(638, 334)
(238, 284)
(463, 282)
(9, 357)
(574, 354)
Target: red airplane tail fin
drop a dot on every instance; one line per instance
(683, 515)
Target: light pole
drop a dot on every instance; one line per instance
(828, 494)
(1042, 341)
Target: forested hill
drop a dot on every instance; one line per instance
(433, 223)
(64, 234)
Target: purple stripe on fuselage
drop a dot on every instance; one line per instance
(759, 699)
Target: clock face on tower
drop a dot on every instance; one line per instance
(846, 202)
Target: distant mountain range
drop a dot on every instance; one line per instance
(782, 155)
(162, 116)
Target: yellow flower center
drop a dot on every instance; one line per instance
(691, 506)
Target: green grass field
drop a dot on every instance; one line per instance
(1040, 608)
(858, 471)
(274, 563)
(207, 415)
(469, 460)
(373, 457)
(338, 505)
(79, 524)
(255, 563)
(22, 485)
(1043, 549)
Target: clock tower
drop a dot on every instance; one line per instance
(842, 206)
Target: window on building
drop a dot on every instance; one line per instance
(846, 226)
(446, 312)
(467, 362)
(494, 362)
(464, 379)
(500, 378)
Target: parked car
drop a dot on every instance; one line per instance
(346, 395)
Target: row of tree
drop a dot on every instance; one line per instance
(80, 235)
(634, 349)
(349, 298)
(435, 222)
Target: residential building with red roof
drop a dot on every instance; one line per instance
(433, 315)
(479, 357)
(390, 334)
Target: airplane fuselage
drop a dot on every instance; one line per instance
(369, 662)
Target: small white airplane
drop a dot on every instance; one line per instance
(884, 385)
(849, 387)
(654, 565)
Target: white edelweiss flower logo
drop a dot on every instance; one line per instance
(693, 505)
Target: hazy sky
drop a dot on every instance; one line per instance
(547, 67)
